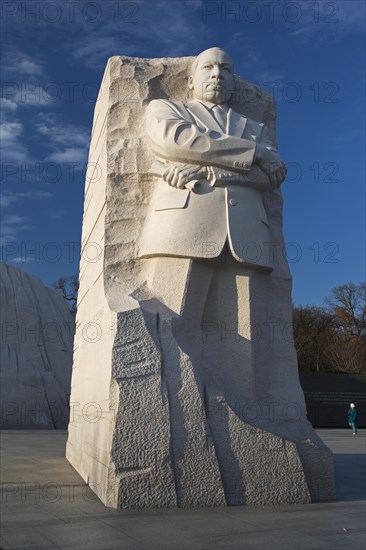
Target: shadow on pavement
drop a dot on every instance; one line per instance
(350, 476)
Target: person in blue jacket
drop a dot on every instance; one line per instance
(352, 418)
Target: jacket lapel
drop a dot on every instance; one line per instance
(202, 114)
(236, 123)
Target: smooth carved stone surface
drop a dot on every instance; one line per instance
(176, 393)
(135, 82)
(36, 353)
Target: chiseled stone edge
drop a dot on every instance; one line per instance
(319, 470)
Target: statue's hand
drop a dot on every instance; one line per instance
(277, 172)
(179, 175)
(269, 162)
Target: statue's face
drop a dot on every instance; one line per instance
(213, 78)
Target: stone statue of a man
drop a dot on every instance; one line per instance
(202, 404)
(208, 231)
(233, 157)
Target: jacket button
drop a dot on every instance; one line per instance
(233, 202)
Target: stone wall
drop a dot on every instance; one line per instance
(91, 419)
(37, 331)
(328, 396)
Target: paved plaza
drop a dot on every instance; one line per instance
(45, 504)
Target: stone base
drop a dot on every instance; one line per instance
(178, 444)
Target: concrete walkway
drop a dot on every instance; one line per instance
(46, 505)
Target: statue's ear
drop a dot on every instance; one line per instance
(190, 82)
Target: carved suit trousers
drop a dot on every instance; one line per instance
(216, 320)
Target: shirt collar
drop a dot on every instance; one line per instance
(210, 106)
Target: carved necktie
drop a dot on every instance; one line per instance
(220, 116)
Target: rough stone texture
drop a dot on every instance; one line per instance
(37, 331)
(257, 467)
(141, 442)
(163, 432)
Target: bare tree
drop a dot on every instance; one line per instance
(348, 306)
(347, 354)
(68, 286)
(312, 330)
(333, 339)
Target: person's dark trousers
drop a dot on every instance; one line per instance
(354, 427)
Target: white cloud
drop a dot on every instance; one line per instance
(55, 214)
(69, 143)
(26, 66)
(13, 219)
(26, 94)
(269, 77)
(173, 26)
(66, 142)
(97, 51)
(253, 63)
(10, 227)
(26, 88)
(14, 154)
(60, 133)
(11, 147)
(70, 154)
(7, 198)
(320, 20)
(10, 131)
(22, 64)
(8, 104)
(22, 259)
(24, 81)
(12, 224)
(19, 93)
(33, 94)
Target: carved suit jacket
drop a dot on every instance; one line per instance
(197, 223)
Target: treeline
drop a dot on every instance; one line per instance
(333, 338)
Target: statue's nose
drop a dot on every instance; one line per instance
(216, 72)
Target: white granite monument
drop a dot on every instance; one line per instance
(37, 333)
(185, 389)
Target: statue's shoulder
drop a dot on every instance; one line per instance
(254, 127)
(161, 105)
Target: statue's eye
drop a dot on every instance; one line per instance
(207, 66)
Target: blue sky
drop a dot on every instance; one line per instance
(311, 55)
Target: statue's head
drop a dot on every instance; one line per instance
(212, 76)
